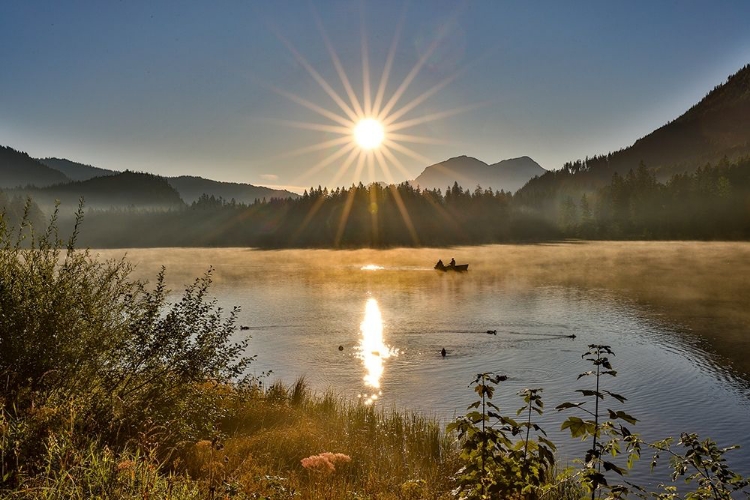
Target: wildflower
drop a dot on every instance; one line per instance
(335, 458)
(325, 462)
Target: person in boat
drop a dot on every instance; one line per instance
(439, 263)
(453, 262)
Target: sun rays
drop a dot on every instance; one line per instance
(367, 129)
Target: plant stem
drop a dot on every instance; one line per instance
(596, 416)
(528, 430)
(484, 448)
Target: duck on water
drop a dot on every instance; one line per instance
(452, 266)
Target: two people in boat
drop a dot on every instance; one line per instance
(440, 263)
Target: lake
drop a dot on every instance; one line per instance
(370, 325)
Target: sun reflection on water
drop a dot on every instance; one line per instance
(371, 267)
(373, 350)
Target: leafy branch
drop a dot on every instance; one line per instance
(605, 435)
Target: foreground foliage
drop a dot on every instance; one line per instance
(495, 466)
(272, 444)
(115, 389)
(606, 436)
(84, 346)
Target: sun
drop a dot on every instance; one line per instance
(366, 130)
(369, 133)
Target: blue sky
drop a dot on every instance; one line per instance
(214, 88)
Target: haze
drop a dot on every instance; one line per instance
(699, 287)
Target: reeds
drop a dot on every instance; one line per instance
(388, 450)
(74, 470)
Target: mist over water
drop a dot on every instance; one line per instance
(370, 324)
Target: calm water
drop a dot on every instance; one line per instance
(370, 325)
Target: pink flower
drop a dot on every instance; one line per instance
(325, 462)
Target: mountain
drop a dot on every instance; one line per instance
(506, 175)
(19, 169)
(716, 127)
(76, 171)
(191, 188)
(123, 190)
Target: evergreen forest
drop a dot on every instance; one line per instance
(710, 203)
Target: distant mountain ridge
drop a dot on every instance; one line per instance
(717, 126)
(507, 175)
(76, 171)
(191, 188)
(18, 169)
(121, 190)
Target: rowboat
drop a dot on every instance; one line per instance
(456, 267)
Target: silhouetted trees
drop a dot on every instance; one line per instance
(376, 216)
(709, 203)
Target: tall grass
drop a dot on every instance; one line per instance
(72, 471)
(257, 451)
(390, 451)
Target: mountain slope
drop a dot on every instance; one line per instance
(74, 170)
(19, 169)
(191, 188)
(516, 172)
(123, 190)
(507, 175)
(718, 126)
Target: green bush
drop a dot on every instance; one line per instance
(493, 465)
(83, 343)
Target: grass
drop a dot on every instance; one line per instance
(257, 452)
(389, 451)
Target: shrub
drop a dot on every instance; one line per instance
(83, 341)
(493, 465)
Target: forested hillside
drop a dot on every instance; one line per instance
(191, 188)
(715, 128)
(709, 203)
(19, 169)
(123, 190)
(76, 171)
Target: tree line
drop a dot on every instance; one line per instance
(713, 202)
(710, 203)
(359, 216)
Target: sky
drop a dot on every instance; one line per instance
(267, 92)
